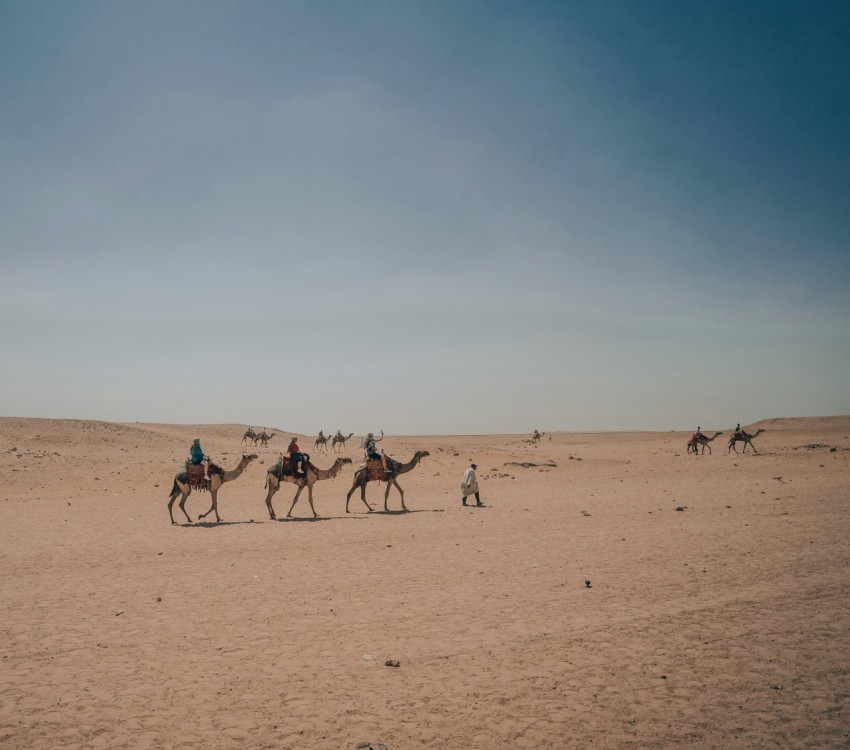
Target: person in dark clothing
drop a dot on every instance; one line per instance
(372, 451)
(296, 457)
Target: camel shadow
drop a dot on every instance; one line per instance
(212, 524)
(302, 520)
(320, 518)
(402, 512)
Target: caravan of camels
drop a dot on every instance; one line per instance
(296, 468)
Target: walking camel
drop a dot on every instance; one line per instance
(535, 438)
(703, 440)
(363, 476)
(314, 474)
(339, 439)
(321, 443)
(264, 438)
(744, 438)
(218, 477)
(250, 435)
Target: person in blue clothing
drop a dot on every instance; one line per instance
(196, 453)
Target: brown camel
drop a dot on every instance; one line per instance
(535, 438)
(321, 443)
(212, 483)
(264, 438)
(339, 439)
(314, 474)
(250, 435)
(744, 438)
(703, 440)
(361, 479)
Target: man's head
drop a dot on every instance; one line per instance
(474, 466)
(196, 441)
(370, 435)
(293, 439)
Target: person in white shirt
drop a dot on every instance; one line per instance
(469, 485)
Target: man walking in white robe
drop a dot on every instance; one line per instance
(469, 485)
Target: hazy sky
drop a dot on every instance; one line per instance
(432, 217)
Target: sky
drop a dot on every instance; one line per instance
(425, 217)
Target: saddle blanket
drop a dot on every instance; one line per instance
(376, 469)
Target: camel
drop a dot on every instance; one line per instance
(264, 438)
(745, 439)
(321, 443)
(703, 440)
(314, 474)
(217, 478)
(339, 439)
(535, 438)
(361, 479)
(250, 435)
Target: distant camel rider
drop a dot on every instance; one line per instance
(296, 457)
(372, 451)
(738, 431)
(698, 434)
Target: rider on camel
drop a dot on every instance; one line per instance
(296, 458)
(372, 451)
(197, 457)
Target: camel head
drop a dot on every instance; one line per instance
(344, 460)
(249, 458)
(421, 454)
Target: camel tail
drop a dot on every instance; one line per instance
(174, 489)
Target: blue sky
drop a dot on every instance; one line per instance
(442, 217)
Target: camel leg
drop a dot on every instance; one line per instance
(273, 487)
(390, 484)
(185, 492)
(310, 500)
(294, 500)
(362, 495)
(213, 506)
(175, 491)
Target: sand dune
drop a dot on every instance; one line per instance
(717, 614)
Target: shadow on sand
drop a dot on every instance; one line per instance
(212, 524)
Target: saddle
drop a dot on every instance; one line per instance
(283, 468)
(376, 469)
(195, 475)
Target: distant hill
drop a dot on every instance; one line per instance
(841, 422)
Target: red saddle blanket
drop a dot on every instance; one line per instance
(376, 469)
(196, 474)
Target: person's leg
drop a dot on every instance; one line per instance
(463, 499)
(478, 499)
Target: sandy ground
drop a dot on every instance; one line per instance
(725, 624)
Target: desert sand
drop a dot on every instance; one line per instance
(717, 613)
